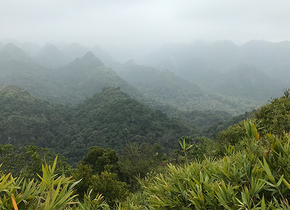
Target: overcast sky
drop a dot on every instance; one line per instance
(137, 25)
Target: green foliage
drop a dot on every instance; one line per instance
(232, 134)
(274, 117)
(56, 190)
(96, 173)
(251, 129)
(52, 192)
(202, 148)
(242, 179)
(137, 161)
(109, 119)
(25, 119)
(105, 183)
(26, 161)
(97, 158)
(108, 185)
(184, 148)
(96, 203)
(112, 119)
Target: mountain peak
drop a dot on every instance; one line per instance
(49, 47)
(90, 59)
(89, 56)
(130, 62)
(15, 92)
(50, 56)
(12, 52)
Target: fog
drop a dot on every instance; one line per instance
(130, 29)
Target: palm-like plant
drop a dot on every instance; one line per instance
(257, 176)
(52, 193)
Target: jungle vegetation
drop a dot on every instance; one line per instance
(246, 167)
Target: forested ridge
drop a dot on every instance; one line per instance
(108, 119)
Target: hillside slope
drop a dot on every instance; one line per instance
(25, 119)
(113, 119)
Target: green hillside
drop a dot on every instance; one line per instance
(110, 119)
(25, 119)
(113, 119)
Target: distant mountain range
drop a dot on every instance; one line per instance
(84, 76)
(209, 65)
(70, 84)
(59, 54)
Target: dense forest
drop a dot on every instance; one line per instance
(77, 134)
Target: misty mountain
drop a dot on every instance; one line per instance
(51, 57)
(13, 41)
(87, 75)
(173, 91)
(197, 61)
(246, 81)
(75, 50)
(172, 56)
(19, 68)
(202, 63)
(163, 86)
(12, 53)
(83, 77)
(59, 54)
(70, 84)
(268, 56)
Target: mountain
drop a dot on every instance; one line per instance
(203, 63)
(10, 52)
(1, 46)
(197, 62)
(246, 81)
(87, 75)
(83, 77)
(19, 68)
(25, 119)
(268, 56)
(110, 118)
(75, 50)
(70, 84)
(51, 57)
(113, 119)
(163, 86)
(177, 94)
